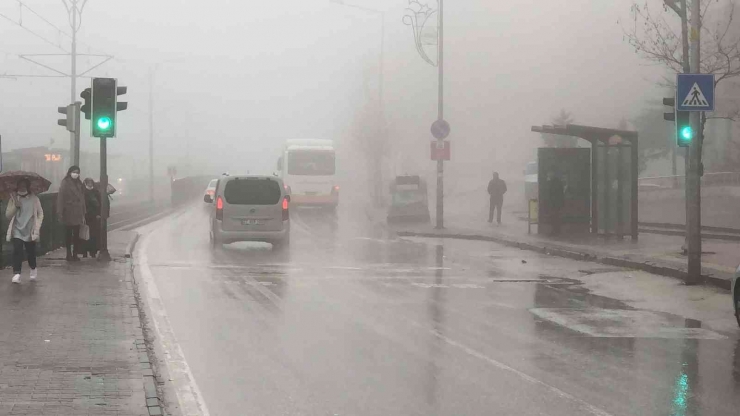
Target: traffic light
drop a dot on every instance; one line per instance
(88, 99)
(103, 107)
(69, 117)
(684, 132)
(120, 106)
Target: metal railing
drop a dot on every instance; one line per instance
(52, 231)
(678, 181)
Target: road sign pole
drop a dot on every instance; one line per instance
(693, 182)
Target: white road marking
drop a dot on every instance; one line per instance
(187, 391)
(619, 323)
(589, 407)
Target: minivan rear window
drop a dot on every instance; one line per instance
(252, 192)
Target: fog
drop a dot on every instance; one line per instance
(233, 80)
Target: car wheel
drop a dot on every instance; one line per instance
(737, 305)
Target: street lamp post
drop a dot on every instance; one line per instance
(417, 16)
(378, 181)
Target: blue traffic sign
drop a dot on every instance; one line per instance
(695, 92)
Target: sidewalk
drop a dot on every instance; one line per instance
(659, 254)
(72, 343)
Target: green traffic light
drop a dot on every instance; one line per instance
(687, 133)
(104, 123)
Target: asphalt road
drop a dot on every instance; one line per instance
(350, 322)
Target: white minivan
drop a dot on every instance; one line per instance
(250, 208)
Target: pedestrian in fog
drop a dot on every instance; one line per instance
(496, 190)
(71, 211)
(26, 215)
(92, 217)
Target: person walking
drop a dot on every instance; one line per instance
(92, 217)
(26, 215)
(496, 190)
(71, 211)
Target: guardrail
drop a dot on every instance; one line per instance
(677, 181)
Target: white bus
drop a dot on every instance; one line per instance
(308, 169)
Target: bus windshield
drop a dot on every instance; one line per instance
(311, 162)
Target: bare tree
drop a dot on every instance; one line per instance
(659, 40)
(370, 138)
(554, 140)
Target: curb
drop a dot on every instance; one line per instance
(131, 245)
(553, 250)
(154, 403)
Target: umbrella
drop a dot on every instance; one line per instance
(9, 181)
(110, 189)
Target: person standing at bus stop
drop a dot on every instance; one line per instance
(496, 190)
(71, 211)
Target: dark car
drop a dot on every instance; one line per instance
(409, 201)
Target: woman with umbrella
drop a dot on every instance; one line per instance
(71, 210)
(92, 217)
(26, 215)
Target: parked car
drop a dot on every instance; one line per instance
(250, 208)
(736, 294)
(409, 201)
(210, 191)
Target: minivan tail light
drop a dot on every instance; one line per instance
(286, 213)
(220, 209)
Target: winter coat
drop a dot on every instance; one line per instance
(38, 214)
(71, 202)
(497, 189)
(92, 203)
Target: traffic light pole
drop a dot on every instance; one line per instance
(693, 179)
(104, 255)
(76, 133)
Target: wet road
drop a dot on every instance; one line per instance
(349, 322)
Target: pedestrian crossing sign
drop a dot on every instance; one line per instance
(695, 92)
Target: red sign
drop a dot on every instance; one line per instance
(440, 150)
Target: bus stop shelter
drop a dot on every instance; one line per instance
(614, 169)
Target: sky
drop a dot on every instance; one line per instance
(233, 79)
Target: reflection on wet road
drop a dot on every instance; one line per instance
(349, 322)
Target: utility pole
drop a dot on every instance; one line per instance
(74, 136)
(440, 117)
(75, 19)
(693, 179)
(381, 115)
(151, 135)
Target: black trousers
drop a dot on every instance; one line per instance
(72, 237)
(495, 205)
(18, 247)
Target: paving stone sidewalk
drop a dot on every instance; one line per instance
(71, 343)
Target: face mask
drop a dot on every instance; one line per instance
(75, 175)
(22, 193)
(89, 188)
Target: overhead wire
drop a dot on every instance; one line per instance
(32, 32)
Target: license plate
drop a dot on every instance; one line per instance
(311, 193)
(253, 222)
